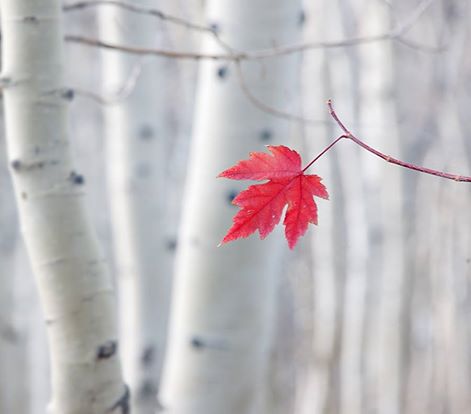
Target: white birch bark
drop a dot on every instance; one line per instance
(136, 134)
(438, 247)
(383, 339)
(450, 251)
(340, 245)
(14, 389)
(449, 275)
(74, 285)
(357, 80)
(223, 301)
(182, 84)
(413, 80)
(36, 389)
(319, 394)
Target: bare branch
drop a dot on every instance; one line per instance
(121, 94)
(140, 50)
(80, 5)
(267, 108)
(231, 54)
(348, 135)
(395, 33)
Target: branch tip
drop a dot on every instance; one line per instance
(387, 158)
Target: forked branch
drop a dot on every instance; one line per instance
(348, 135)
(396, 33)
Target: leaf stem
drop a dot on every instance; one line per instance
(324, 151)
(349, 135)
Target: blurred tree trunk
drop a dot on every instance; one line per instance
(223, 301)
(354, 247)
(75, 288)
(318, 381)
(437, 375)
(390, 331)
(136, 133)
(384, 300)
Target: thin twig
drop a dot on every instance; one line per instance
(231, 54)
(123, 92)
(141, 50)
(349, 135)
(268, 108)
(395, 33)
(80, 5)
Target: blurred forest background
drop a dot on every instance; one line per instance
(370, 313)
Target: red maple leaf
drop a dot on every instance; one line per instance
(261, 205)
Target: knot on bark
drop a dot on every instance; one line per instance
(266, 134)
(68, 94)
(222, 72)
(16, 165)
(199, 343)
(76, 178)
(107, 350)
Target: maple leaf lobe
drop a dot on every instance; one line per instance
(261, 205)
(281, 163)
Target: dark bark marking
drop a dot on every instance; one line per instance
(76, 178)
(222, 72)
(107, 350)
(265, 135)
(146, 132)
(16, 165)
(215, 27)
(68, 94)
(197, 343)
(123, 402)
(148, 355)
(171, 244)
(301, 18)
(30, 19)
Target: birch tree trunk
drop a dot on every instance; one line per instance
(74, 284)
(223, 301)
(14, 390)
(383, 336)
(136, 132)
(359, 244)
(318, 391)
